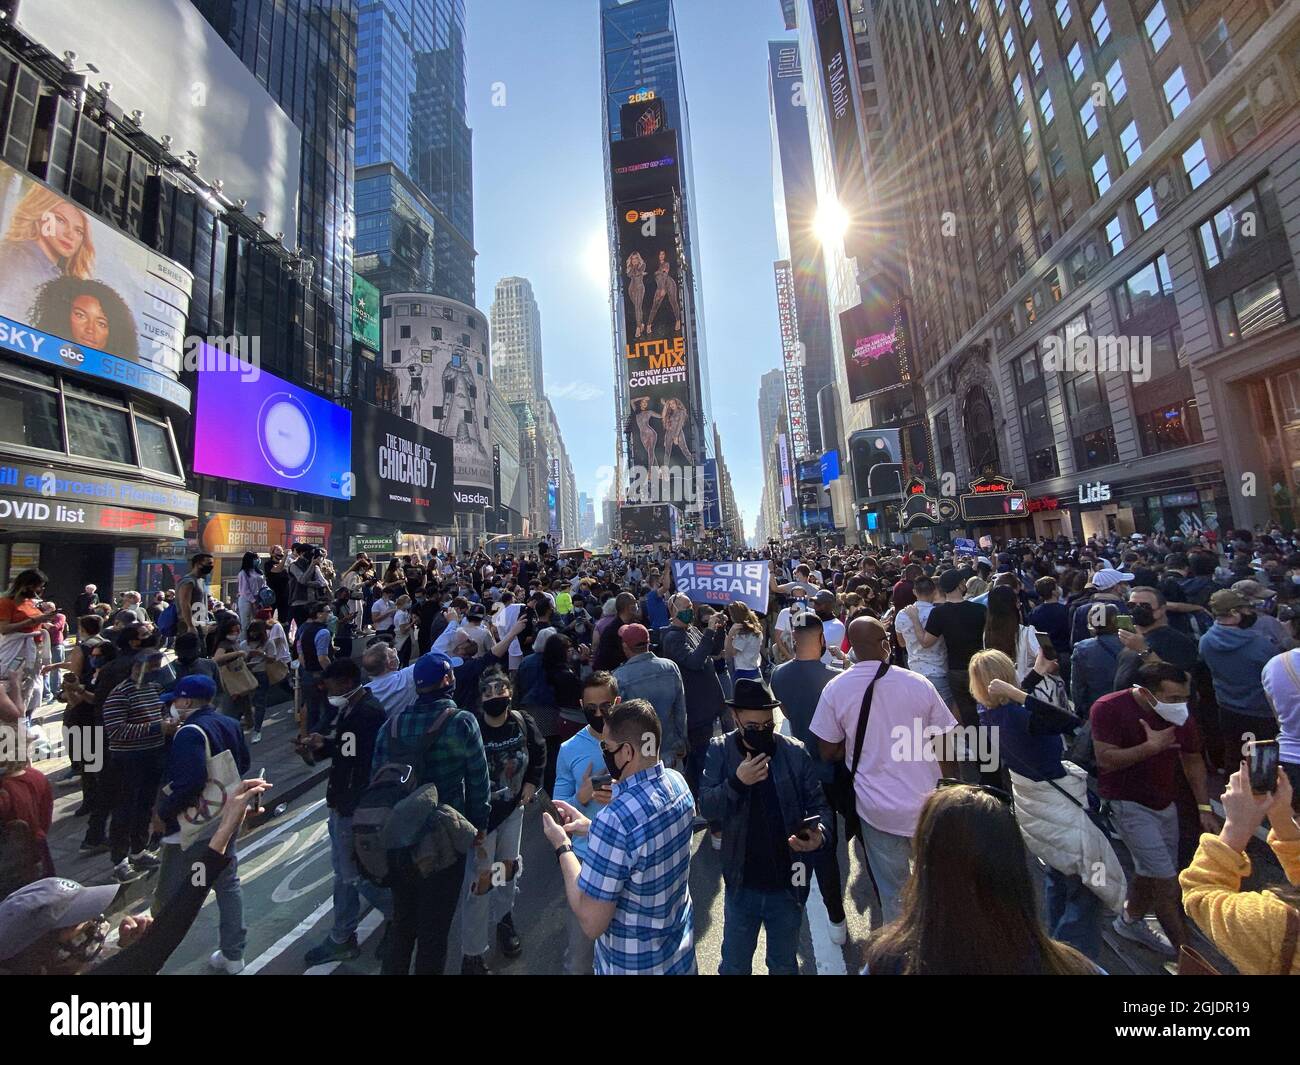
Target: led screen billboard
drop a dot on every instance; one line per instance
(403, 470)
(644, 166)
(258, 428)
(873, 355)
(365, 312)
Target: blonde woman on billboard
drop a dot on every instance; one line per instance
(665, 286)
(642, 416)
(48, 237)
(675, 416)
(636, 288)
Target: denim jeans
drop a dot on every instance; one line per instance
(826, 868)
(259, 698)
(177, 867)
(1074, 913)
(889, 858)
(499, 849)
(745, 911)
(52, 679)
(350, 887)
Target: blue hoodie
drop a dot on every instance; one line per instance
(1236, 657)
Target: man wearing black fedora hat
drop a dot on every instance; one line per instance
(763, 787)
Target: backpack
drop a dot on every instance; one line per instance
(389, 784)
(166, 623)
(266, 596)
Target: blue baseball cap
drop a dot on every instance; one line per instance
(195, 686)
(431, 671)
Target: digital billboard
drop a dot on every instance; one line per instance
(642, 118)
(659, 421)
(264, 430)
(649, 523)
(792, 355)
(67, 274)
(365, 312)
(403, 471)
(441, 365)
(836, 63)
(873, 356)
(644, 166)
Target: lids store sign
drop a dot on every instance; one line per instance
(1097, 492)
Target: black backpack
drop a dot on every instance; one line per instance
(389, 784)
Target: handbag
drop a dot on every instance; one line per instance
(236, 678)
(223, 778)
(277, 672)
(1193, 963)
(842, 793)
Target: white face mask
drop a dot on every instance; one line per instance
(1174, 713)
(340, 701)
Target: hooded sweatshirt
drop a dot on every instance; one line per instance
(1283, 688)
(1236, 657)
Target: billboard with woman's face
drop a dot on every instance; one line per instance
(70, 275)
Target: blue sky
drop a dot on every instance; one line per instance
(539, 208)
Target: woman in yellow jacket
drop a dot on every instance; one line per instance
(1256, 930)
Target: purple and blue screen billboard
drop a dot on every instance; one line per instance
(252, 426)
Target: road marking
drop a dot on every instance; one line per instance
(288, 939)
(369, 923)
(278, 830)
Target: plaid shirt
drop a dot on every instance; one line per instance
(454, 762)
(639, 857)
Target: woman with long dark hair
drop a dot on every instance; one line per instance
(1004, 632)
(969, 907)
(224, 646)
(22, 628)
(251, 583)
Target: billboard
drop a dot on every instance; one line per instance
(836, 63)
(642, 118)
(649, 523)
(403, 471)
(552, 497)
(792, 356)
(441, 365)
(873, 354)
(830, 464)
(69, 275)
(264, 430)
(659, 422)
(164, 59)
(712, 496)
(365, 312)
(26, 479)
(644, 166)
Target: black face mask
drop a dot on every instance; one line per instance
(497, 706)
(758, 740)
(595, 719)
(1142, 614)
(205, 570)
(612, 766)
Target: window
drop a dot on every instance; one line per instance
(155, 446)
(1063, 13)
(1027, 367)
(1026, 133)
(1045, 105)
(1034, 422)
(1169, 427)
(1114, 234)
(1145, 205)
(1232, 229)
(29, 416)
(1088, 117)
(1195, 165)
(1115, 83)
(1057, 159)
(1042, 464)
(1075, 60)
(1083, 390)
(97, 431)
(1095, 449)
(1129, 143)
(1001, 6)
(1258, 306)
(1036, 58)
(981, 42)
(1157, 26)
(1018, 89)
(1216, 48)
(1239, 123)
(1100, 25)
(1009, 44)
(1177, 95)
(1144, 288)
(1100, 176)
(1026, 12)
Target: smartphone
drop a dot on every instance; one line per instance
(602, 780)
(1125, 622)
(1262, 759)
(549, 807)
(807, 825)
(255, 803)
(1046, 646)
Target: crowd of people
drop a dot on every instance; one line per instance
(1031, 746)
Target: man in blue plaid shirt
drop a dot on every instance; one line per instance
(631, 893)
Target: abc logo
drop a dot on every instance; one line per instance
(71, 354)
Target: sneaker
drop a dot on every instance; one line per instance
(474, 965)
(508, 938)
(124, 872)
(93, 846)
(839, 932)
(715, 838)
(257, 735)
(145, 860)
(230, 966)
(1142, 933)
(331, 951)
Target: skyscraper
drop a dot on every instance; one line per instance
(770, 393)
(415, 191)
(516, 340)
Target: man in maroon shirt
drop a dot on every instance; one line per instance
(1141, 735)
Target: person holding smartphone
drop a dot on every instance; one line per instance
(764, 790)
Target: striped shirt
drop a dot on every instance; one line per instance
(133, 717)
(639, 857)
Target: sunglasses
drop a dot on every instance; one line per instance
(997, 793)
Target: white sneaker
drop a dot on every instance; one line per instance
(257, 735)
(1142, 933)
(220, 962)
(716, 839)
(839, 932)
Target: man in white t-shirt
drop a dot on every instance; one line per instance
(383, 612)
(505, 621)
(931, 662)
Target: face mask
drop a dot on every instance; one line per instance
(496, 706)
(759, 740)
(595, 719)
(205, 570)
(1142, 614)
(341, 701)
(1174, 713)
(85, 946)
(613, 768)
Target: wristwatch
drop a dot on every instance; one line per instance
(565, 848)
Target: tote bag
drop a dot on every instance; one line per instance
(200, 820)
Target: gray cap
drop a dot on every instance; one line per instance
(45, 906)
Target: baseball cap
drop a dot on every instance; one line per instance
(477, 611)
(1105, 579)
(1226, 600)
(949, 581)
(634, 635)
(431, 671)
(46, 906)
(195, 686)
(1253, 590)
